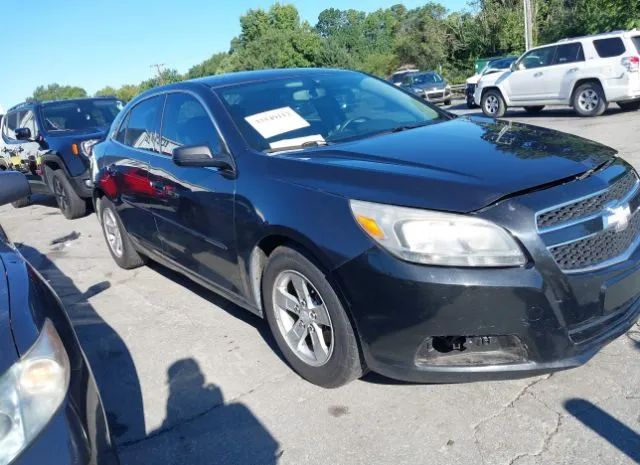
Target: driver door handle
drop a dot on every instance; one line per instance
(538, 74)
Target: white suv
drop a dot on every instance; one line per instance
(586, 73)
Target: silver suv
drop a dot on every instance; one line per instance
(586, 73)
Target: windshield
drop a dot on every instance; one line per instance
(322, 109)
(398, 77)
(427, 78)
(79, 114)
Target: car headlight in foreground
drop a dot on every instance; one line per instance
(437, 238)
(31, 392)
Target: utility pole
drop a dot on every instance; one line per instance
(159, 69)
(528, 23)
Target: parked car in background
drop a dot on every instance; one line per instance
(374, 230)
(429, 85)
(51, 142)
(492, 66)
(587, 73)
(397, 77)
(50, 408)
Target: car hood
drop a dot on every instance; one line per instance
(85, 134)
(493, 78)
(8, 351)
(431, 85)
(459, 165)
(473, 79)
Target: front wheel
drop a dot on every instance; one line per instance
(629, 106)
(589, 100)
(21, 203)
(308, 321)
(71, 204)
(493, 104)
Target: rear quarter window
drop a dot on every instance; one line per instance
(636, 42)
(607, 48)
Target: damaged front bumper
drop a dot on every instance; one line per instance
(433, 324)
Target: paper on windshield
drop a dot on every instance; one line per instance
(296, 141)
(274, 122)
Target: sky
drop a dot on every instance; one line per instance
(95, 43)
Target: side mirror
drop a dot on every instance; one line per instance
(14, 186)
(23, 133)
(200, 156)
(513, 67)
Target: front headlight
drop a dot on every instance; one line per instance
(31, 392)
(87, 146)
(436, 238)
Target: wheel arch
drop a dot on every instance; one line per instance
(582, 81)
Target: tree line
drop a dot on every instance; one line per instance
(429, 37)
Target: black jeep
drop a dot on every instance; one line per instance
(51, 143)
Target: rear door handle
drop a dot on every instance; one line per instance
(538, 74)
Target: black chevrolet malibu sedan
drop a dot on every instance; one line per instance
(50, 409)
(373, 230)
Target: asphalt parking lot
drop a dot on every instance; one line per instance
(189, 378)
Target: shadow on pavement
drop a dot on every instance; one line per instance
(232, 309)
(110, 360)
(221, 433)
(198, 428)
(609, 428)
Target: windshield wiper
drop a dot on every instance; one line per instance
(304, 145)
(405, 127)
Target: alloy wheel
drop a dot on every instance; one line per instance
(302, 318)
(112, 232)
(588, 100)
(491, 104)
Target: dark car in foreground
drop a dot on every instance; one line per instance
(50, 142)
(429, 85)
(50, 409)
(374, 230)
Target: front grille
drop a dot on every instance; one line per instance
(594, 250)
(589, 206)
(435, 95)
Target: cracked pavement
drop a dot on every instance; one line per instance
(189, 378)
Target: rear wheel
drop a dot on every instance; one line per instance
(308, 321)
(629, 106)
(589, 100)
(534, 110)
(118, 241)
(71, 204)
(493, 104)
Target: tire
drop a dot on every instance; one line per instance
(470, 104)
(125, 255)
(589, 100)
(21, 203)
(447, 102)
(629, 106)
(534, 110)
(330, 364)
(493, 104)
(71, 204)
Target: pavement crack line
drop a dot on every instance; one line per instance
(510, 404)
(545, 444)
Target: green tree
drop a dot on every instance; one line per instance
(57, 92)
(106, 91)
(127, 92)
(208, 67)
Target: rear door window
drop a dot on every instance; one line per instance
(611, 47)
(143, 127)
(186, 122)
(569, 53)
